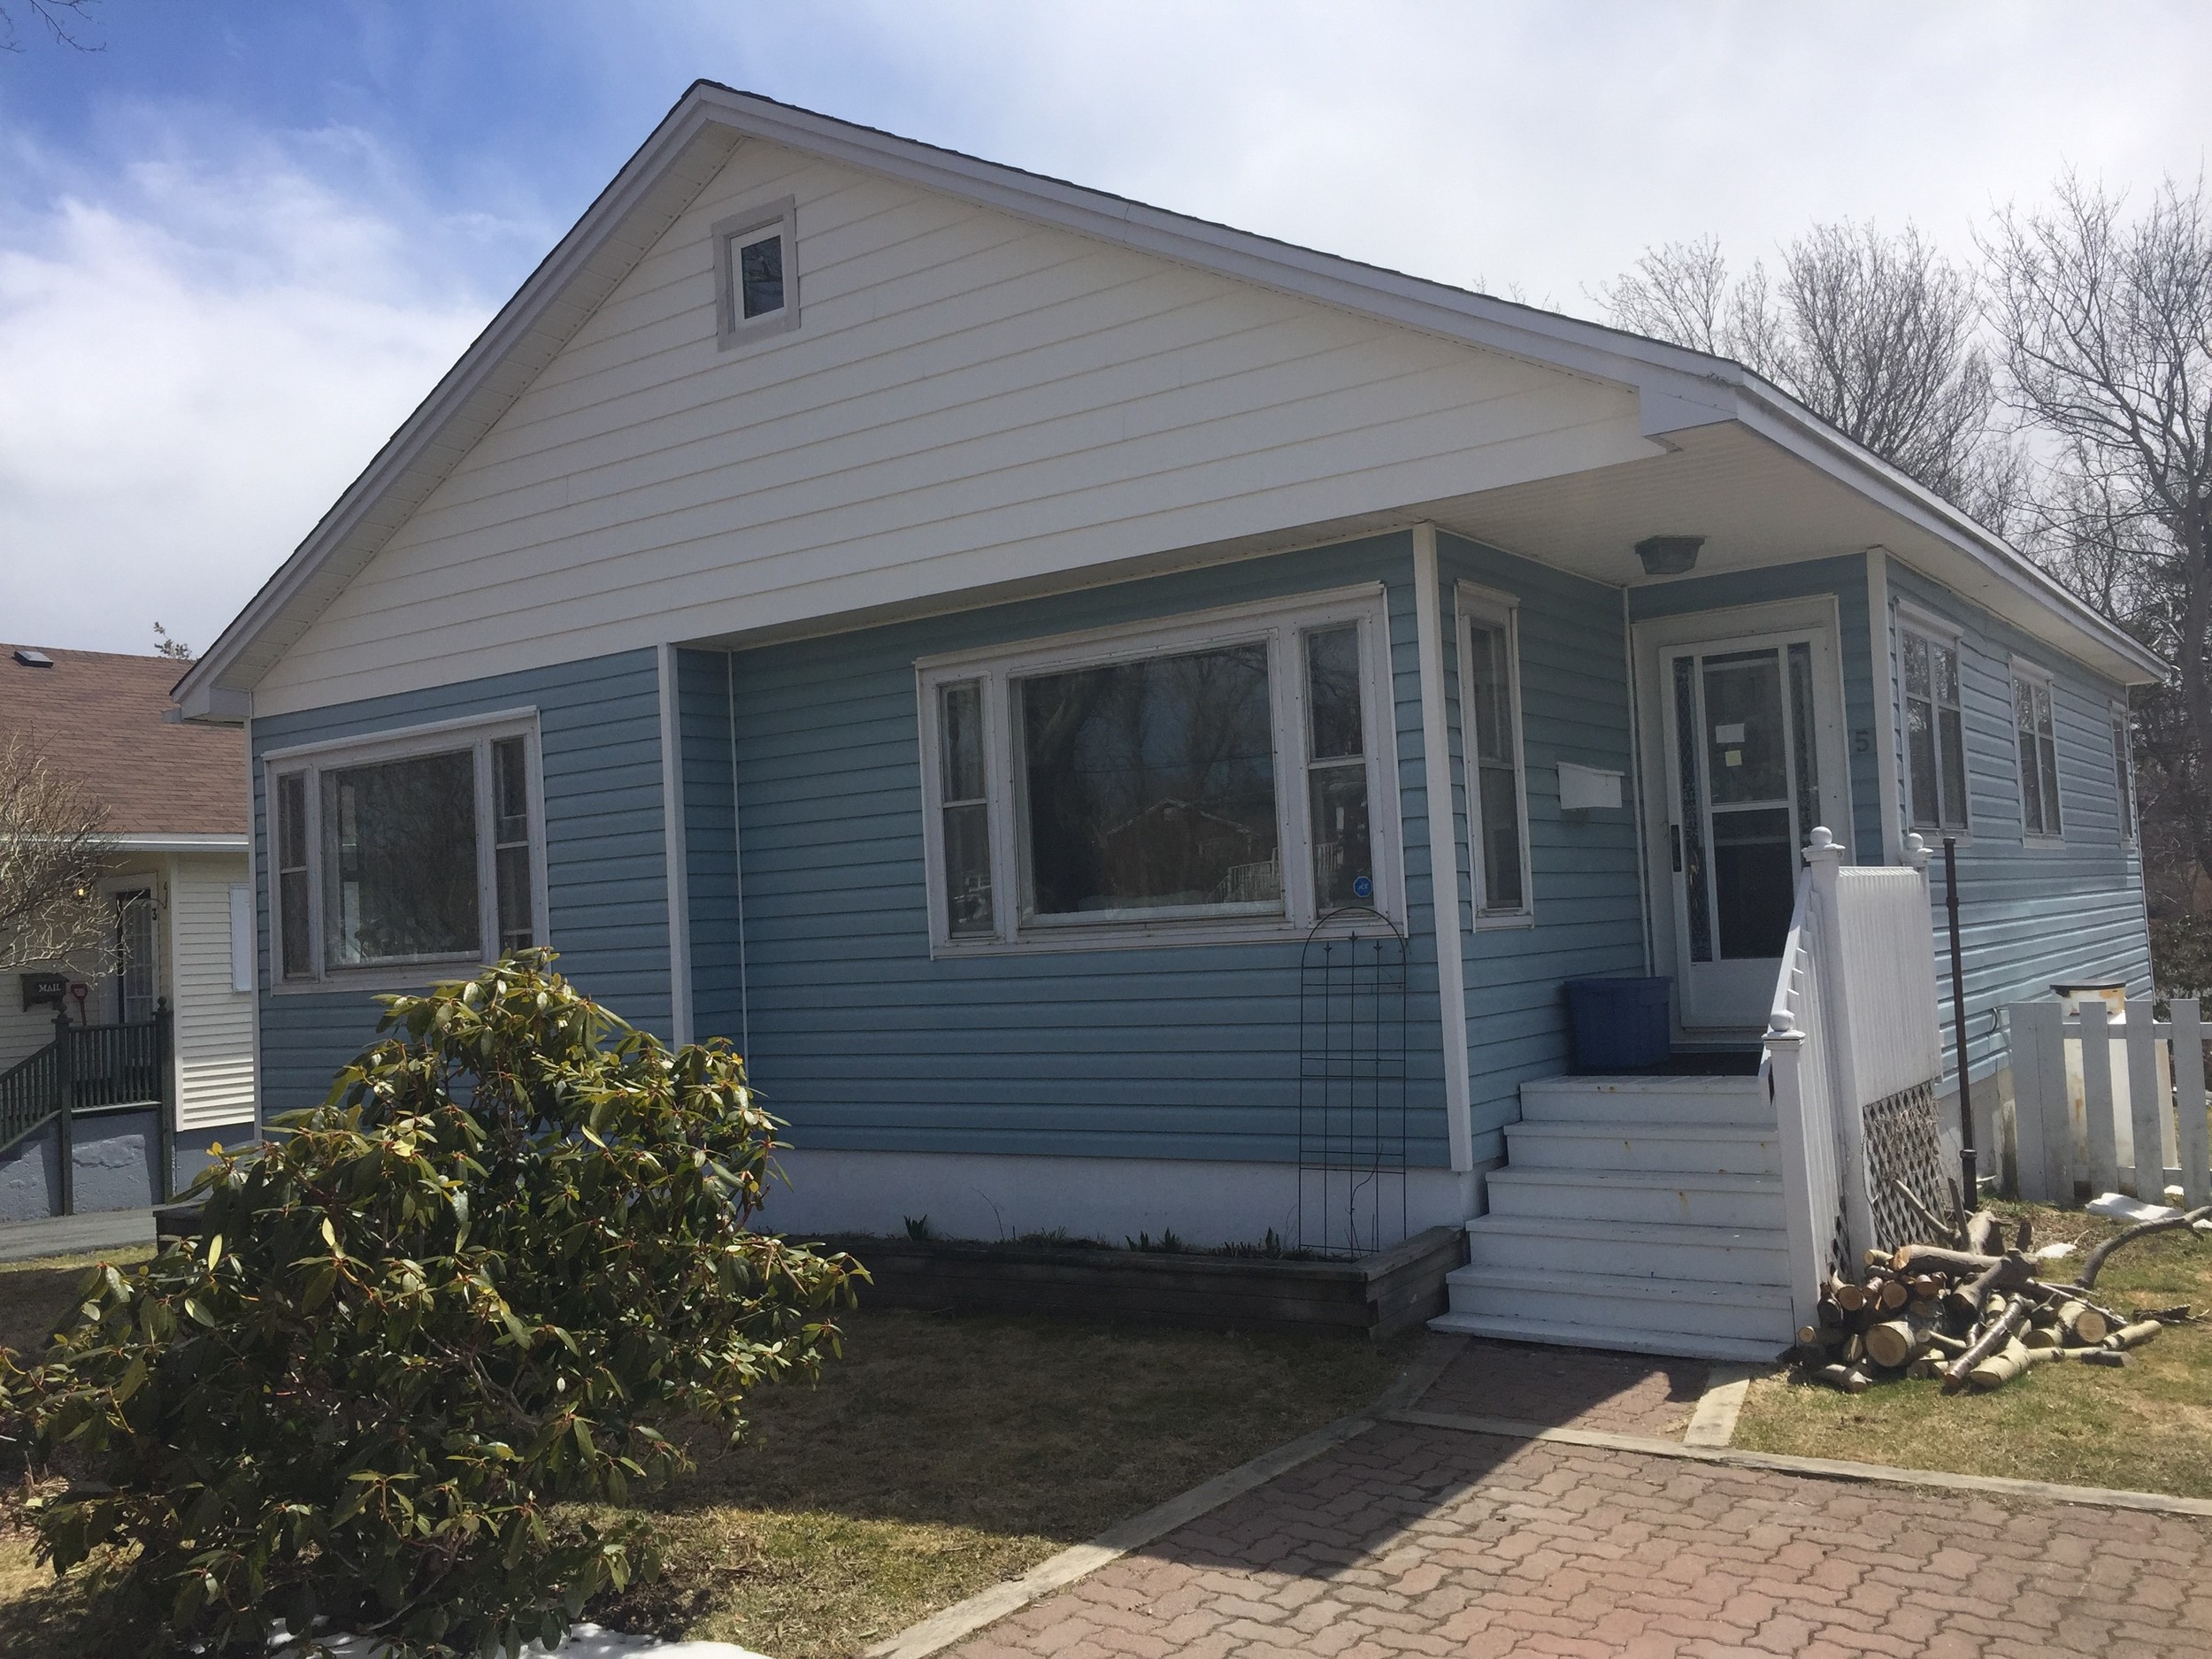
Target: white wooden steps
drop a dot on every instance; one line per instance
(1643, 1214)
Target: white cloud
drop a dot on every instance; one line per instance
(193, 366)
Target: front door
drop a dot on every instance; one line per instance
(1749, 733)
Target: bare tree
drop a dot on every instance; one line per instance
(2105, 321)
(53, 844)
(1876, 335)
(63, 20)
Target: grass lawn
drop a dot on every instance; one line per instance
(2148, 1427)
(941, 1456)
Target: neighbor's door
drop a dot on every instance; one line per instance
(1751, 729)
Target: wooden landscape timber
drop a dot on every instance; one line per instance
(1976, 1311)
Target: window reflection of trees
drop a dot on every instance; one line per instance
(1152, 783)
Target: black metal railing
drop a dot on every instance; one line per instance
(91, 1068)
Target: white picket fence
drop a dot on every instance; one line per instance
(2092, 1096)
(1854, 1023)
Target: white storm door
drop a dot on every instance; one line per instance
(1753, 761)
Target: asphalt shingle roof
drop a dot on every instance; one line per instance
(98, 716)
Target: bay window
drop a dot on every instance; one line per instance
(409, 851)
(1206, 777)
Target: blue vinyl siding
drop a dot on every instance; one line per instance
(2031, 916)
(599, 733)
(1844, 577)
(863, 1041)
(1583, 865)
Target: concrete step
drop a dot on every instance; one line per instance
(1634, 1340)
(1648, 1100)
(1750, 1256)
(1692, 1149)
(1606, 1302)
(1701, 1200)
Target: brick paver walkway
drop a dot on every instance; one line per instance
(1620, 1394)
(1410, 1540)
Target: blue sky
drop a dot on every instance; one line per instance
(238, 243)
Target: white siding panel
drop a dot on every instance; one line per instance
(214, 1024)
(971, 398)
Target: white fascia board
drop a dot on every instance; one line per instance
(1805, 435)
(160, 841)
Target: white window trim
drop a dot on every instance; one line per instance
(476, 733)
(1937, 629)
(732, 329)
(2125, 741)
(2034, 674)
(1281, 623)
(1493, 609)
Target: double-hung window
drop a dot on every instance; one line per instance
(2037, 731)
(410, 852)
(1497, 783)
(1220, 776)
(2123, 774)
(1935, 732)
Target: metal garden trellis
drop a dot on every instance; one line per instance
(1352, 1085)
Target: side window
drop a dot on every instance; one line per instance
(1336, 770)
(396, 853)
(2039, 754)
(2122, 773)
(1497, 785)
(756, 273)
(1935, 740)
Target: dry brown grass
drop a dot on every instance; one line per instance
(2147, 1427)
(941, 1456)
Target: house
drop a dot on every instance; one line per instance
(958, 634)
(151, 1049)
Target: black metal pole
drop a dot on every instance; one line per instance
(65, 1111)
(165, 1107)
(1969, 1186)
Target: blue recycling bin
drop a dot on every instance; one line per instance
(1620, 1023)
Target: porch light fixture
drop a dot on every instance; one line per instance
(1669, 555)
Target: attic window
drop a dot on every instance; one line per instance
(30, 658)
(756, 273)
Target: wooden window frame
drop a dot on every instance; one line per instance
(1283, 624)
(311, 761)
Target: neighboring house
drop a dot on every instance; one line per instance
(165, 1025)
(953, 633)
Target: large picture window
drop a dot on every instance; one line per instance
(1497, 787)
(405, 853)
(1204, 778)
(2037, 729)
(1935, 736)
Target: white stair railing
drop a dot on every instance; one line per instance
(1854, 1022)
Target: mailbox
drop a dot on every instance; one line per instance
(44, 990)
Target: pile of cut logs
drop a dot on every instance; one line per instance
(1979, 1312)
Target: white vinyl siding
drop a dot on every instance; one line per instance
(214, 1023)
(974, 398)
